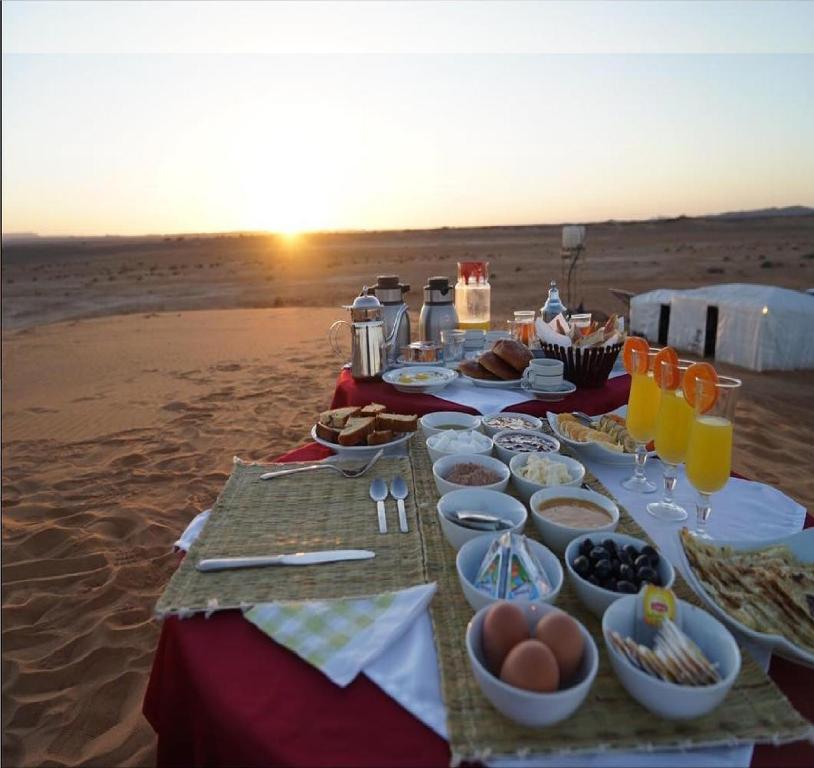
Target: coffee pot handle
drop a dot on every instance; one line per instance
(332, 334)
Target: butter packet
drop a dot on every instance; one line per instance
(509, 571)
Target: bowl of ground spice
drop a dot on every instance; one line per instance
(470, 470)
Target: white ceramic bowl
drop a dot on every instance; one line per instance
(527, 488)
(526, 707)
(431, 422)
(529, 422)
(470, 556)
(444, 465)
(485, 502)
(478, 437)
(596, 599)
(558, 536)
(506, 454)
(669, 700)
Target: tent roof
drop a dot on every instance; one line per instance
(739, 294)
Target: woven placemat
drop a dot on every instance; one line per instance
(609, 719)
(309, 511)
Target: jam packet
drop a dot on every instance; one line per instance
(509, 571)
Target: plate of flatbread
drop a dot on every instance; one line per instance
(763, 589)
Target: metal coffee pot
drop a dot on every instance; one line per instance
(369, 342)
(390, 292)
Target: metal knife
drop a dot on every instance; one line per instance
(297, 558)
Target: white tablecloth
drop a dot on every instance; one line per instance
(408, 669)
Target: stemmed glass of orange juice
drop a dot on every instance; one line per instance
(673, 424)
(642, 408)
(709, 451)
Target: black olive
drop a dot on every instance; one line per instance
(592, 578)
(651, 554)
(582, 565)
(610, 545)
(626, 572)
(646, 573)
(615, 566)
(611, 584)
(657, 580)
(624, 557)
(602, 569)
(632, 552)
(599, 553)
(641, 561)
(626, 587)
(585, 547)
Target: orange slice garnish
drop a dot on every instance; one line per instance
(637, 344)
(666, 376)
(692, 391)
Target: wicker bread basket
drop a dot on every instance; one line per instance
(589, 367)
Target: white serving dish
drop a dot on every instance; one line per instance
(505, 454)
(406, 379)
(480, 439)
(362, 451)
(490, 384)
(483, 501)
(669, 700)
(536, 710)
(558, 536)
(470, 556)
(596, 599)
(444, 465)
(591, 450)
(527, 488)
(430, 421)
(529, 422)
(802, 546)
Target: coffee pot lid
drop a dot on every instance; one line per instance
(366, 300)
(437, 283)
(390, 282)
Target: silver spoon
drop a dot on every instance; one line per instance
(398, 490)
(480, 521)
(378, 492)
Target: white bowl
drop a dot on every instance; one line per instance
(430, 422)
(478, 500)
(597, 599)
(479, 439)
(470, 556)
(558, 536)
(526, 707)
(529, 422)
(527, 488)
(442, 467)
(506, 455)
(669, 700)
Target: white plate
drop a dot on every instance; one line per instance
(591, 450)
(407, 379)
(550, 395)
(361, 451)
(489, 384)
(802, 546)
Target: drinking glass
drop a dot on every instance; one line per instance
(582, 322)
(673, 424)
(642, 410)
(522, 327)
(709, 451)
(452, 341)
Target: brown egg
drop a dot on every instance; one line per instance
(561, 634)
(531, 665)
(504, 626)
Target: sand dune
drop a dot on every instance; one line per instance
(117, 430)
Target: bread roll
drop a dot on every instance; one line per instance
(498, 366)
(475, 370)
(513, 353)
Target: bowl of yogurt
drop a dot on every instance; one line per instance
(458, 441)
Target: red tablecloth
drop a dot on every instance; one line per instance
(223, 693)
(591, 401)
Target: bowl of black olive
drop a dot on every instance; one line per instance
(608, 566)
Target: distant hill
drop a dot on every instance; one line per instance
(17, 237)
(762, 213)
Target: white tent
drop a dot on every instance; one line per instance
(754, 326)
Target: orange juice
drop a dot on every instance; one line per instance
(643, 407)
(709, 453)
(481, 326)
(673, 426)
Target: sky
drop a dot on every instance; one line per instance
(133, 118)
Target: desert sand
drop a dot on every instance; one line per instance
(135, 369)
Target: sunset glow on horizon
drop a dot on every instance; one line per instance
(134, 143)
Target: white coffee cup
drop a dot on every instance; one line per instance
(544, 373)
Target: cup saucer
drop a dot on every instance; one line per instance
(550, 395)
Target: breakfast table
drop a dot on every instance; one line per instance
(221, 692)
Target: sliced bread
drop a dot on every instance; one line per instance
(338, 417)
(397, 422)
(373, 409)
(327, 433)
(356, 430)
(380, 436)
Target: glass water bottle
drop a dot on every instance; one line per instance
(473, 295)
